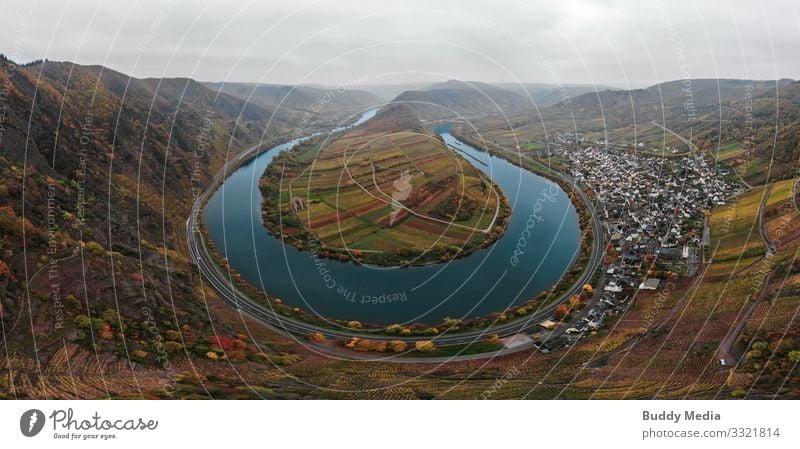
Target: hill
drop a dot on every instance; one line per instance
(386, 192)
(99, 172)
(459, 98)
(545, 95)
(310, 104)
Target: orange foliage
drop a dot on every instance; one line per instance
(561, 311)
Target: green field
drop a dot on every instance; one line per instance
(728, 151)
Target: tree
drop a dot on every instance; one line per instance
(394, 329)
(425, 346)
(172, 346)
(83, 321)
(316, 337)
(397, 346)
(221, 341)
(794, 356)
(95, 249)
(561, 312)
(5, 272)
(352, 342)
(354, 324)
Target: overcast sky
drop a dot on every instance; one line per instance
(619, 43)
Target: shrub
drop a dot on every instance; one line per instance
(394, 329)
(397, 346)
(221, 341)
(82, 321)
(172, 335)
(172, 346)
(95, 249)
(425, 346)
(316, 337)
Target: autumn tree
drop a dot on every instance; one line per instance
(397, 346)
(316, 337)
(561, 312)
(5, 271)
(425, 346)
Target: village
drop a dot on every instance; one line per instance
(654, 213)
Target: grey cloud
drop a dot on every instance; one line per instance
(613, 42)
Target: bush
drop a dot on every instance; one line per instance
(172, 346)
(394, 329)
(316, 337)
(172, 335)
(425, 346)
(82, 321)
(397, 346)
(95, 249)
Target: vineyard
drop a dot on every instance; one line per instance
(383, 195)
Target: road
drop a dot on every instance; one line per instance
(264, 314)
(725, 350)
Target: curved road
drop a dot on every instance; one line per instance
(263, 313)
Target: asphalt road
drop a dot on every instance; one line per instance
(263, 313)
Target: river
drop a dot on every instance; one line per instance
(540, 243)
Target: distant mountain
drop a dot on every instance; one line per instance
(454, 98)
(304, 102)
(389, 91)
(545, 95)
(669, 103)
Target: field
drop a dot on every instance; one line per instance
(382, 195)
(754, 170)
(734, 228)
(728, 151)
(654, 138)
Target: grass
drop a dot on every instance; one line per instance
(753, 170)
(728, 151)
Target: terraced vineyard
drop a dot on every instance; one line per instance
(387, 192)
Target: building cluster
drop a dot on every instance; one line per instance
(651, 206)
(653, 209)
